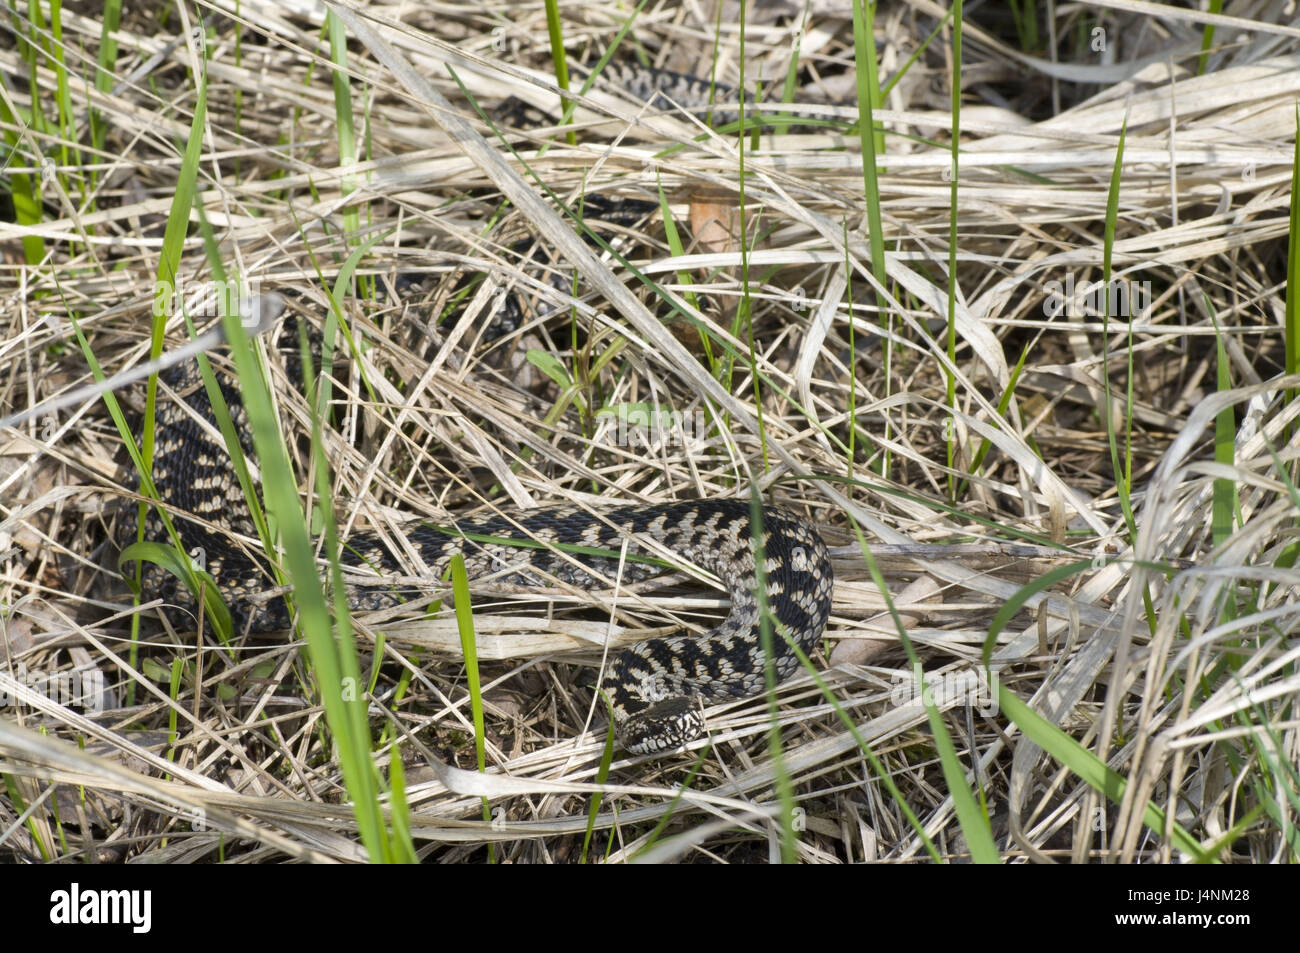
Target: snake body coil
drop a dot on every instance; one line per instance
(654, 686)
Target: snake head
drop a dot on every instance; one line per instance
(663, 726)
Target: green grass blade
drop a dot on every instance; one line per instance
(950, 371)
(1207, 39)
(1291, 333)
(111, 18)
(873, 143)
(344, 121)
(469, 648)
(1224, 504)
(24, 188)
(555, 33)
(978, 835)
(1123, 471)
(1085, 765)
(783, 783)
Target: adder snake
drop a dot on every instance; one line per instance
(654, 687)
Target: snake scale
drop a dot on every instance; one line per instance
(655, 687)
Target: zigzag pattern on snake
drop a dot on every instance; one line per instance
(654, 687)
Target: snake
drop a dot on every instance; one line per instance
(655, 688)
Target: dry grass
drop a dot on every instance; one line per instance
(1172, 657)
